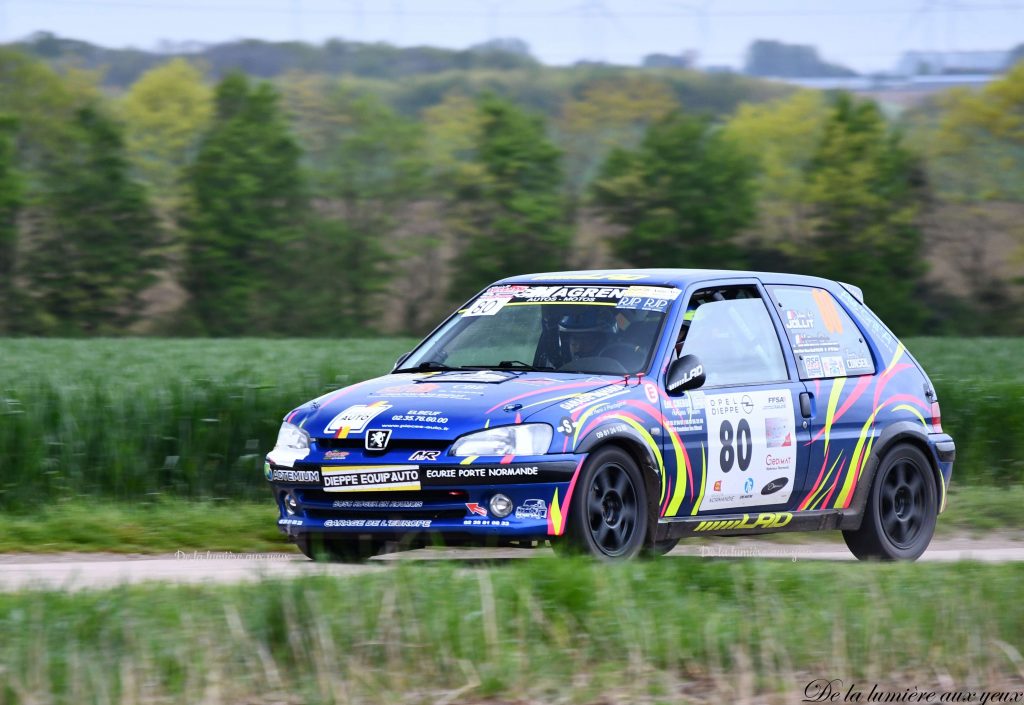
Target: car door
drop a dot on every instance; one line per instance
(837, 367)
(744, 431)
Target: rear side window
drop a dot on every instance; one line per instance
(826, 341)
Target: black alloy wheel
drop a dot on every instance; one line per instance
(609, 512)
(901, 511)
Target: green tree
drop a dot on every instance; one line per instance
(681, 197)
(513, 218)
(92, 253)
(165, 113)
(248, 201)
(867, 191)
(11, 194)
(782, 136)
(372, 171)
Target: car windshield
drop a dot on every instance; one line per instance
(597, 329)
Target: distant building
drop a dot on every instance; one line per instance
(932, 63)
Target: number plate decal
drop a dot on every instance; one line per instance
(751, 449)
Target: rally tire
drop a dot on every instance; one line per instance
(608, 514)
(338, 549)
(901, 511)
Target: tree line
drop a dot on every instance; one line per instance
(312, 207)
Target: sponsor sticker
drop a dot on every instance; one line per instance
(812, 365)
(309, 477)
(799, 320)
(381, 523)
(355, 418)
(425, 455)
(364, 478)
(532, 509)
(833, 366)
(751, 440)
(651, 392)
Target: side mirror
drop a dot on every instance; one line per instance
(401, 358)
(685, 373)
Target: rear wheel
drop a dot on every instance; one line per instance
(608, 516)
(902, 507)
(348, 549)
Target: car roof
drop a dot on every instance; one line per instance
(679, 278)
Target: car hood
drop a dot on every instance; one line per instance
(442, 405)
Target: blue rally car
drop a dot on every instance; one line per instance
(617, 412)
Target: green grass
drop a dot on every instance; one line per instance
(687, 630)
(136, 418)
(163, 526)
(130, 418)
(168, 525)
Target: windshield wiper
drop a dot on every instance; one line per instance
(430, 366)
(512, 365)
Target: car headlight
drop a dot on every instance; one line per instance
(292, 445)
(291, 437)
(521, 439)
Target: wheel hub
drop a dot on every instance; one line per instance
(611, 505)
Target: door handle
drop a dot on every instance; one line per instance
(805, 404)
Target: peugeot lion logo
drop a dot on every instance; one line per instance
(377, 439)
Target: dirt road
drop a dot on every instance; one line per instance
(76, 571)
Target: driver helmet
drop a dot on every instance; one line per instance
(586, 332)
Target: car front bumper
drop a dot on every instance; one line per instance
(452, 501)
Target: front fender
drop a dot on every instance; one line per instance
(642, 446)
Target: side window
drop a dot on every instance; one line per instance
(825, 340)
(731, 331)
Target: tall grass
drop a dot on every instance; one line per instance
(134, 418)
(686, 630)
(130, 418)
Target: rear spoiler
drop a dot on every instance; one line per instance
(855, 291)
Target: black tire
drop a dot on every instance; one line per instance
(902, 507)
(338, 549)
(608, 515)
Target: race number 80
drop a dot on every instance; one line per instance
(743, 450)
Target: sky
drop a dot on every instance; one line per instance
(869, 35)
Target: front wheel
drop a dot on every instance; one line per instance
(608, 515)
(901, 511)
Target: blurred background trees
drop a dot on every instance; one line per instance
(351, 189)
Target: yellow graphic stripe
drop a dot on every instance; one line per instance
(651, 442)
(468, 460)
(912, 410)
(678, 494)
(703, 480)
(895, 358)
(820, 492)
(856, 460)
(833, 402)
(556, 514)
(586, 415)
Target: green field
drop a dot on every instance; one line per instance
(571, 631)
(140, 419)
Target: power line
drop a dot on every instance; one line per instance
(536, 14)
